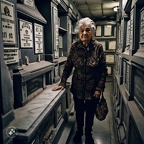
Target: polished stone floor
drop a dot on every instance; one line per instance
(103, 131)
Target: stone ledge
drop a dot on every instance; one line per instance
(29, 118)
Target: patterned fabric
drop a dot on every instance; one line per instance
(89, 69)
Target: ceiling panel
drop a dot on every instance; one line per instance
(97, 9)
(97, 13)
(87, 14)
(93, 1)
(83, 7)
(108, 12)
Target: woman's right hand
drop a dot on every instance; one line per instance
(58, 88)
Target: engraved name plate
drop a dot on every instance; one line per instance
(127, 76)
(131, 28)
(139, 88)
(98, 31)
(112, 45)
(56, 27)
(11, 55)
(26, 34)
(107, 30)
(8, 22)
(110, 58)
(56, 32)
(122, 32)
(38, 29)
(128, 34)
(142, 26)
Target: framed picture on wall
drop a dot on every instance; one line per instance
(26, 34)
(8, 22)
(98, 31)
(112, 44)
(109, 58)
(11, 55)
(38, 31)
(107, 30)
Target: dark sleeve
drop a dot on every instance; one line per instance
(67, 68)
(101, 84)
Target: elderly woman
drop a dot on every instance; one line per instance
(87, 58)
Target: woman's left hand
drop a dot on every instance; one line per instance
(97, 94)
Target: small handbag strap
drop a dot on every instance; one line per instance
(102, 96)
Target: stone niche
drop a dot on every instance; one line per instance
(138, 88)
(31, 80)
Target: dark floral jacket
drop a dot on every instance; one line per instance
(89, 69)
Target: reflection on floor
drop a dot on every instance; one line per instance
(103, 131)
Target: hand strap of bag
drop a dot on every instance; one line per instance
(102, 96)
(102, 99)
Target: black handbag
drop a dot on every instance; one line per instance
(101, 109)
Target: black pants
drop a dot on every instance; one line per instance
(87, 106)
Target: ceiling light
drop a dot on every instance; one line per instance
(115, 8)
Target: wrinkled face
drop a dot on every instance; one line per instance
(85, 33)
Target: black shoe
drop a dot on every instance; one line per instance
(89, 140)
(77, 137)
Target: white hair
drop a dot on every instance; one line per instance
(87, 21)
